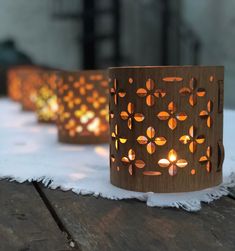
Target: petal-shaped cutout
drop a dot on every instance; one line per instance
(172, 123)
(115, 99)
(192, 100)
(193, 147)
(111, 115)
(113, 135)
(200, 139)
(130, 108)
(192, 131)
(152, 173)
(172, 155)
(151, 147)
(139, 164)
(208, 151)
(203, 114)
(142, 140)
(116, 144)
(122, 140)
(201, 92)
(172, 107)
(208, 166)
(211, 79)
(181, 163)
(185, 91)
(112, 158)
(130, 80)
(112, 90)
(124, 115)
(130, 169)
(122, 94)
(159, 93)
(193, 83)
(150, 84)
(150, 100)
(115, 84)
(163, 162)
(203, 159)
(131, 154)
(116, 129)
(125, 160)
(139, 117)
(118, 168)
(181, 116)
(160, 141)
(129, 123)
(184, 139)
(172, 170)
(163, 115)
(150, 132)
(209, 122)
(141, 92)
(209, 106)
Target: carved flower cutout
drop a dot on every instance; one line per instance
(172, 163)
(151, 93)
(116, 138)
(116, 93)
(193, 91)
(129, 115)
(206, 159)
(131, 161)
(172, 116)
(192, 140)
(71, 100)
(151, 140)
(206, 114)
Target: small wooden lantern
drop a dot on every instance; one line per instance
(14, 80)
(83, 107)
(31, 82)
(166, 128)
(46, 99)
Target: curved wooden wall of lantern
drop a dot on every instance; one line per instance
(46, 99)
(166, 128)
(31, 82)
(83, 107)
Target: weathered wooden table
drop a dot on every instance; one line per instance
(35, 218)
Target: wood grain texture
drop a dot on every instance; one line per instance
(25, 222)
(190, 97)
(99, 224)
(83, 107)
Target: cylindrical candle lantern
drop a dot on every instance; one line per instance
(166, 128)
(46, 99)
(14, 80)
(83, 107)
(31, 82)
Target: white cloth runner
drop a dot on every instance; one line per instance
(29, 151)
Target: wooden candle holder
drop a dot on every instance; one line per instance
(83, 107)
(31, 82)
(166, 128)
(46, 99)
(14, 80)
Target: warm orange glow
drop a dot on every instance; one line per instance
(172, 156)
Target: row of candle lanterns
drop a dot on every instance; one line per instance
(164, 124)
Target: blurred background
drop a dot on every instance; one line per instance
(89, 34)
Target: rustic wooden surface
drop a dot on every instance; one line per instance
(36, 218)
(25, 222)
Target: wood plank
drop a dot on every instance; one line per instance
(99, 224)
(25, 222)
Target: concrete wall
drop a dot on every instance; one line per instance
(48, 41)
(214, 22)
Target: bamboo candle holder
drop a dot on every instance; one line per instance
(46, 99)
(166, 128)
(83, 107)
